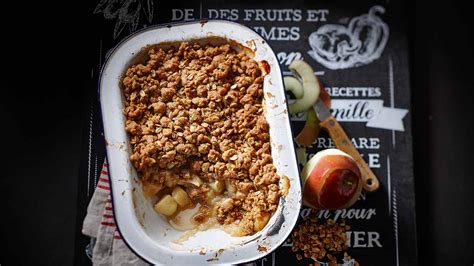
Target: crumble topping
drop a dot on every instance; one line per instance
(196, 121)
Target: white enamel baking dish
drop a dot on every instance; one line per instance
(148, 234)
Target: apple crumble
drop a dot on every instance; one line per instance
(199, 136)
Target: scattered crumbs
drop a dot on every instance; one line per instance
(219, 252)
(321, 232)
(270, 82)
(279, 147)
(133, 189)
(269, 94)
(203, 21)
(123, 192)
(284, 112)
(202, 252)
(163, 232)
(250, 43)
(261, 248)
(265, 66)
(141, 222)
(275, 106)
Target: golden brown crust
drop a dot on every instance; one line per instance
(195, 115)
(320, 240)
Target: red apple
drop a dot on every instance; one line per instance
(331, 180)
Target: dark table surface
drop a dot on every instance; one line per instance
(43, 102)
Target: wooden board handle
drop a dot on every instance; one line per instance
(342, 141)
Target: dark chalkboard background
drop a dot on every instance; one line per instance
(394, 222)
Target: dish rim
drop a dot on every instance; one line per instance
(107, 60)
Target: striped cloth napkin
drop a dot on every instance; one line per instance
(99, 224)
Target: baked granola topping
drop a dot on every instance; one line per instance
(196, 122)
(321, 240)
